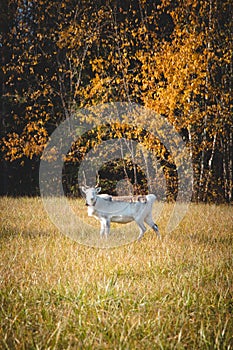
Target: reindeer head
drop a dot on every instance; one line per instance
(91, 194)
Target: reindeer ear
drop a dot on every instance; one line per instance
(84, 189)
(98, 189)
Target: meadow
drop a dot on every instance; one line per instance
(55, 293)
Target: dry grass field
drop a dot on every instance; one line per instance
(176, 293)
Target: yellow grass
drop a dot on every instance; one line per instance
(58, 294)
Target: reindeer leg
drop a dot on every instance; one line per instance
(156, 229)
(142, 230)
(102, 228)
(151, 223)
(107, 228)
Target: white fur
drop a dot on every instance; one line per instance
(106, 210)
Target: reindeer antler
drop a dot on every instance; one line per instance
(98, 179)
(84, 179)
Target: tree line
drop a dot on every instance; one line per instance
(173, 57)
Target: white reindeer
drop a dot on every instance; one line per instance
(107, 209)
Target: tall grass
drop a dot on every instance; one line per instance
(171, 294)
